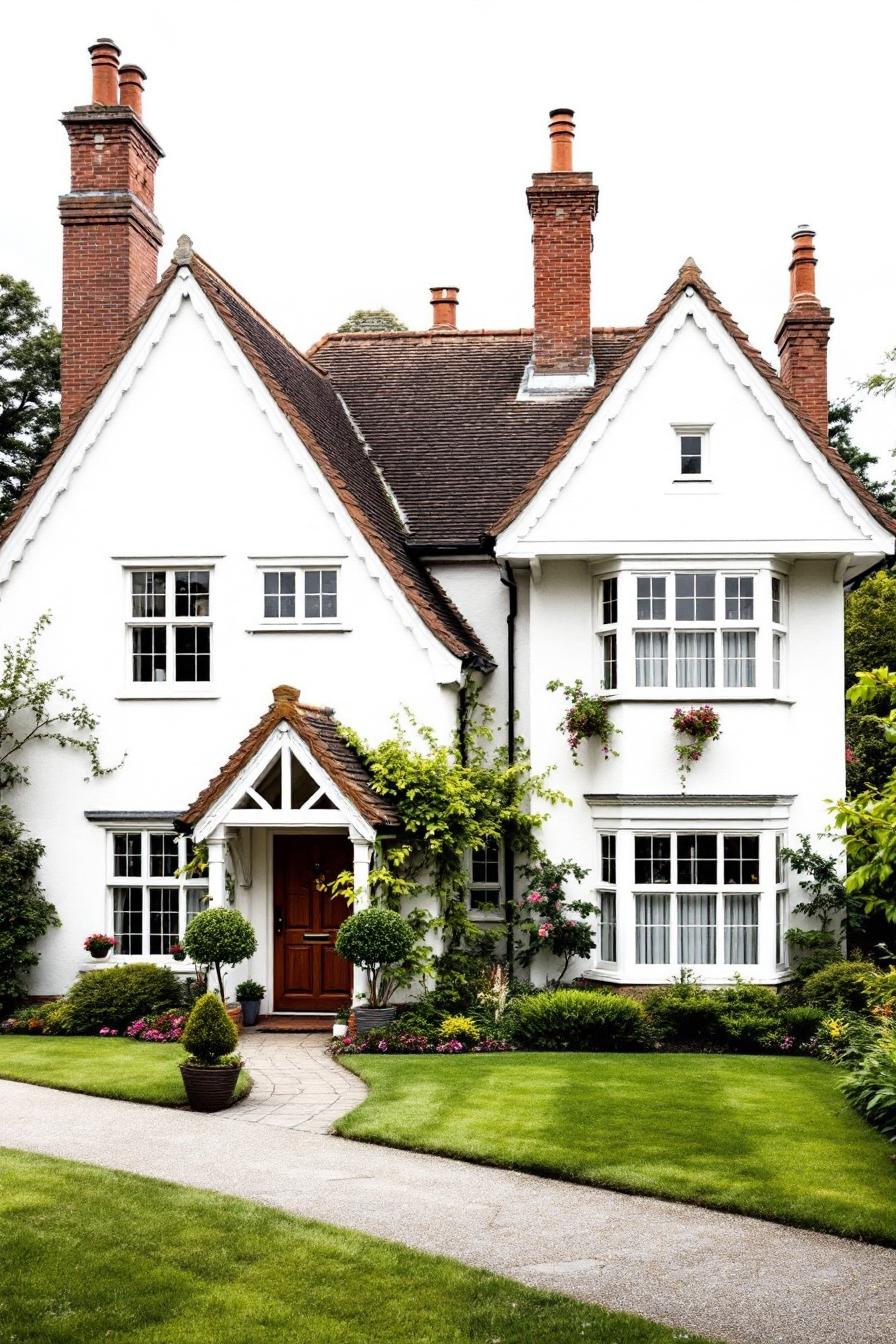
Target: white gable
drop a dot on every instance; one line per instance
(771, 489)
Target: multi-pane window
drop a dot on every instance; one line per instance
(169, 625)
(687, 918)
(738, 597)
(321, 594)
(608, 611)
(609, 601)
(777, 659)
(606, 899)
(779, 614)
(695, 658)
(777, 600)
(782, 906)
(739, 657)
(485, 876)
(651, 599)
(280, 594)
(691, 446)
(151, 904)
(695, 597)
(651, 658)
(608, 860)
(610, 660)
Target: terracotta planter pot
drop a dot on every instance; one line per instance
(210, 1089)
(368, 1018)
(235, 1013)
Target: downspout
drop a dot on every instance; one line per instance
(462, 705)
(510, 584)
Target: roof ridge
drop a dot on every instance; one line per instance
(444, 334)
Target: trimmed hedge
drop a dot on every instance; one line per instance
(117, 996)
(576, 1019)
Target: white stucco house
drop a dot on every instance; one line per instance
(654, 510)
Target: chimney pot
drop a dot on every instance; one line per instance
(802, 335)
(285, 695)
(562, 131)
(130, 88)
(104, 56)
(444, 306)
(802, 266)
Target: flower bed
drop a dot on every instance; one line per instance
(394, 1040)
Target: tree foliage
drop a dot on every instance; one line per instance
(372, 319)
(840, 417)
(219, 937)
(882, 383)
(29, 387)
(380, 942)
(870, 817)
(38, 709)
(826, 898)
(25, 913)
(870, 641)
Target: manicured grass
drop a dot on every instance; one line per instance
(101, 1065)
(100, 1255)
(767, 1136)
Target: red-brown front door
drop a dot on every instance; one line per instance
(308, 975)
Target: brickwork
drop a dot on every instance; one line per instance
(562, 206)
(802, 336)
(111, 239)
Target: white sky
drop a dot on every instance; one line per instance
(326, 157)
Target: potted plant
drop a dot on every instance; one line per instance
(379, 941)
(585, 717)
(340, 1026)
(176, 952)
(696, 727)
(250, 993)
(99, 945)
(219, 937)
(211, 1069)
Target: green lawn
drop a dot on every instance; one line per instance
(97, 1254)
(101, 1065)
(763, 1135)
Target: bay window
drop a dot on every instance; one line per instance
(151, 902)
(606, 900)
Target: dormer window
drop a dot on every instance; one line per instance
(692, 452)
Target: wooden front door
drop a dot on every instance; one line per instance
(308, 975)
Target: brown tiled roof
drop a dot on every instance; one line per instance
(441, 415)
(318, 415)
(690, 276)
(318, 730)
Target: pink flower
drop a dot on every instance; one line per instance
(545, 929)
(535, 898)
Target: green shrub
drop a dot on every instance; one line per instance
(52, 1019)
(749, 1017)
(25, 913)
(801, 1023)
(847, 983)
(115, 997)
(573, 1019)
(209, 1035)
(378, 940)
(248, 991)
(462, 1029)
(219, 937)
(871, 1085)
(683, 1014)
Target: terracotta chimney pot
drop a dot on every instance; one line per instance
(562, 131)
(444, 305)
(802, 335)
(104, 55)
(130, 88)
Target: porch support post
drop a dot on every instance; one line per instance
(217, 885)
(362, 850)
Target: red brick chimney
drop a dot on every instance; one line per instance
(110, 236)
(802, 337)
(562, 204)
(444, 306)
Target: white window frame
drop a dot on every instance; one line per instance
(782, 904)
(146, 884)
(495, 888)
(606, 891)
(607, 631)
(697, 431)
(170, 688)
(778, 641)
(298, 622)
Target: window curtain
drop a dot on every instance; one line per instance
(651, 658)
(741, 929)
(739, 650)
(651, 929)
(697, 929)
(607, 901)
(695, 659)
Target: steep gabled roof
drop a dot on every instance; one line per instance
(690, 277)
(320, 418)
(317, 728)
(440, 412)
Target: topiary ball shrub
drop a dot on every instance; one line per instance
(219, 937)
(683, 1015)
(209, 1035)
(574, 1019)
(847, 983)
(376, 939)
(115, 997)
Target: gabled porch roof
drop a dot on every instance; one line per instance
(292, 769)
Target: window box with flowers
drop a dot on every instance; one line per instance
(695, 728)
(586, 716)
(99, 945)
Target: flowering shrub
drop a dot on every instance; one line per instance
(99, 942)
(459, 1030)
(108, 1031)
(549, 918)
(587, 716)
(871, 1084)
(700, 726)
(163, 1027)
(395, 1040)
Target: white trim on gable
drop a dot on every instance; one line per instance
(184, 287)
(513, 543)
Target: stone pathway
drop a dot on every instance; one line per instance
(731, 1278)
(295, 1083)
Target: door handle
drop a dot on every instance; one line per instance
(279, 921)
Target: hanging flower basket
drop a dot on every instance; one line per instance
(697, 727)
(587, 716)
(99, 945)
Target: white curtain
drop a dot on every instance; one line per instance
(739, 650)
(695, 659)
(651, 658)
(697, 928)
(607, 900)
(741, 929)
(651, 929)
